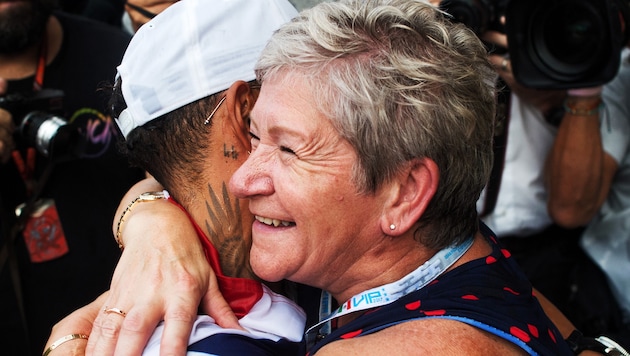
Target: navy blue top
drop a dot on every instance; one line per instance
(490, 293)
(237, 345)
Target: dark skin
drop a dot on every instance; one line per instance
(230, 242)
(225, 220)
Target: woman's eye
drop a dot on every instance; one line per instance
(287, 150)
(254, 141)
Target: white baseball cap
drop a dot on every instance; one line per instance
(193, 49)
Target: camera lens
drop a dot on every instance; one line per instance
(567, 39)
(40, 130)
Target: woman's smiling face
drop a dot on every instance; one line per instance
(311, 221)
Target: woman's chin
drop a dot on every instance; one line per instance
(266, 269)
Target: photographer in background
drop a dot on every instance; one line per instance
(59, 254)
(555, 162)
(594, 190)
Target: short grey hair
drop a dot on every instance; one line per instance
(399, 81)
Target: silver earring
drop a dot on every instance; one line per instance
(207, 121)
(392, 227)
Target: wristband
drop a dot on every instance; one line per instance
(604, 345)
(611, 347)
(578, 343)
(583, 112)
(62, 340)
(583, 106)
(144, 197)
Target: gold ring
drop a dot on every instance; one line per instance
(107, 310)
(504, 65)
(62, 340)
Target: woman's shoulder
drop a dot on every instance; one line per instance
(425, 336)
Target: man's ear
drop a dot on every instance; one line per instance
(410, 193)
(239, 100)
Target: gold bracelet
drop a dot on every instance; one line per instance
(148, 196)
(60, 341)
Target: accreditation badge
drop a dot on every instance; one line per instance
(43, 234)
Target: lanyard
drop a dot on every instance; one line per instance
(391, 292)
(26, 168)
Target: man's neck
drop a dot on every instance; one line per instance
(227, 225)
(24, 64)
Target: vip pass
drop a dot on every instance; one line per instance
(389, 293)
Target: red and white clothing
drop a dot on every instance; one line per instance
(274, 324)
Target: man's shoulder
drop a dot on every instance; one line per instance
(90, 49)
(85, 29)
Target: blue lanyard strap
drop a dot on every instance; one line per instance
(388, 293)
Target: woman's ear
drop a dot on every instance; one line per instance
(240, 99)
(410, 193)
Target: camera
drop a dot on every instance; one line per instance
(478, 15)
(40, 124)
(553, 44)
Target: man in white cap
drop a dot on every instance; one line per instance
(182, 97)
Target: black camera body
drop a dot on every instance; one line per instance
(37, 114)
(565, 44)
(555, 44)
(478, 15)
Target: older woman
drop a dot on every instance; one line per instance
(371, 142)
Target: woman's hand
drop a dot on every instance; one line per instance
(79, 323)
(162, 275)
